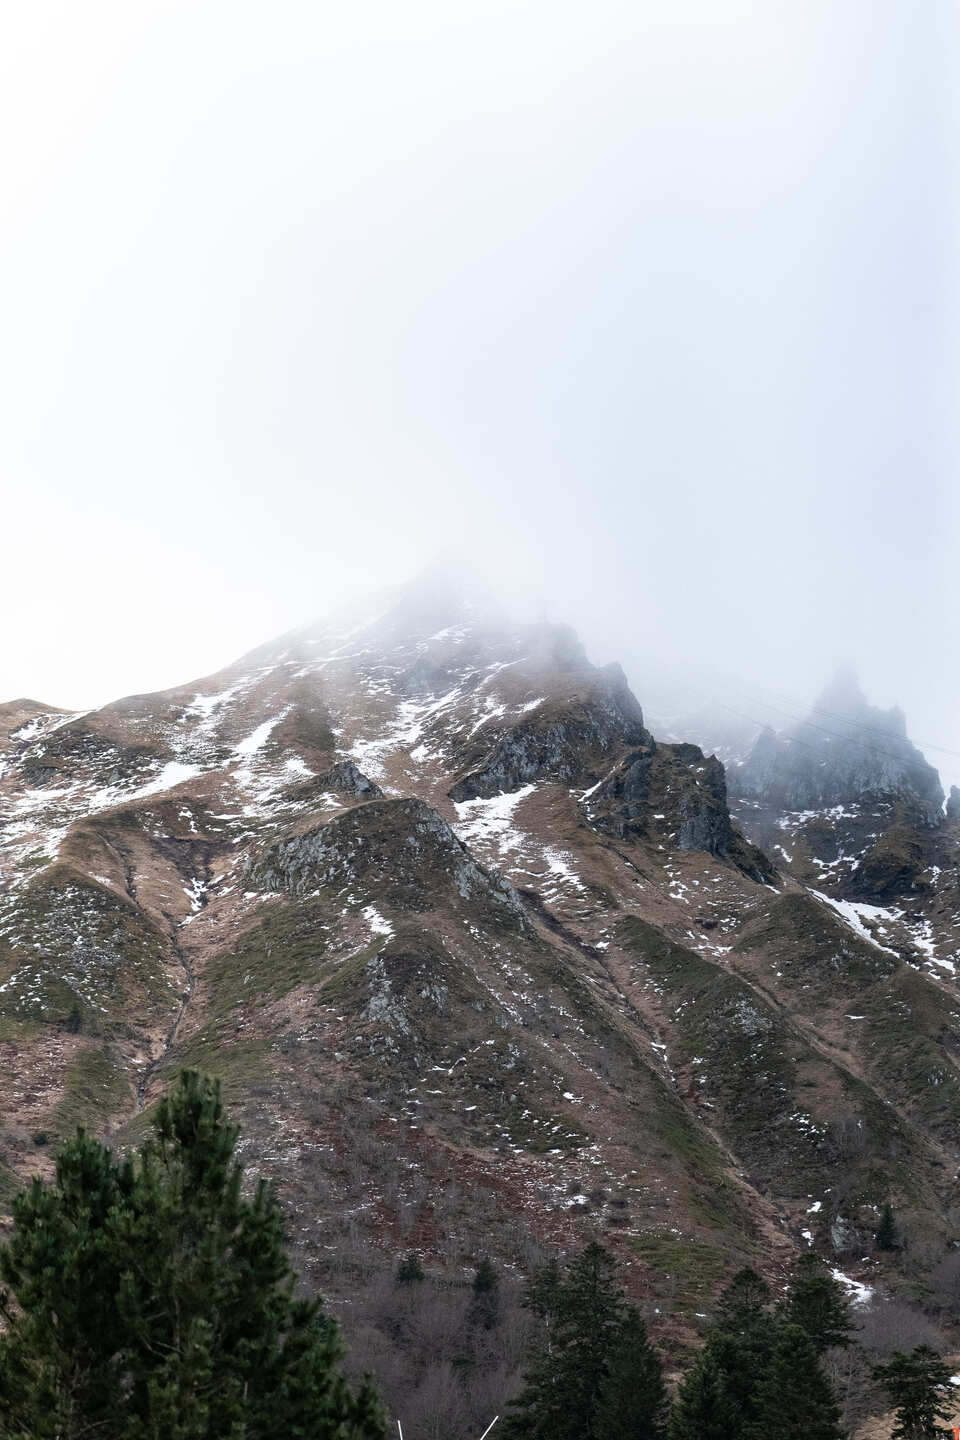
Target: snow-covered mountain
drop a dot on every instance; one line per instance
(480, 961)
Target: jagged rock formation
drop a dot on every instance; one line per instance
(570, 740)
(850, 807)
(399, 848)
(846, 751)
(677, 791)
(427, 894)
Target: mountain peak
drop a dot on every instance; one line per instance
(843, 699)
(843, 693)
(845, 752)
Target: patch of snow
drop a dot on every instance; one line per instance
(296, 766)
(257, 738)
(195, 891)
(175, 772)
(853, 914)
(376, 921)
(492, 820)
(558, 865)
(203, 706)
(859, 1294)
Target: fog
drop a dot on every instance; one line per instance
(648, 312)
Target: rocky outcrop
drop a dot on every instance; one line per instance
(343, 778)
(572, 742)
(678, 791)
(401, 850)
(891, 867)
(846, 752)
(348, 779)
(81, 748)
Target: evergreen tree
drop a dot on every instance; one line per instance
(485, 1305)
(742, 1338)
(759, 1374)
(632, 1398)
(543, 1289)
(918, 1385)
(743, 1302)
(484, 1277)
(793, 1399)
(409, 1271)
(571, 1379)
(148, 1297)
(817, 1303)
(706, 1407)
(886, 1236)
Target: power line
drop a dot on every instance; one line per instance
(861, 725)
(807, 744)
(811, 725)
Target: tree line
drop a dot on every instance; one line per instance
(149, 1297)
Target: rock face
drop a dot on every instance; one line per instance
(677, 791)
(847, 751)
(567, 741)
(400, 848)
(849, 803)
(349, 779)
(597, 739)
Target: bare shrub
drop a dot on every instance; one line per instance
(891, 1324)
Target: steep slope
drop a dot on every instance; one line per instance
(481, 962)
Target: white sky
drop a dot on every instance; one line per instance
(649, 308)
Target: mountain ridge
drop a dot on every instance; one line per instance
(441, 888)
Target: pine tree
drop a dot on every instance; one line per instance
(570, 1379)
(632, 1398)
(409, 1271)
(484, 1277)
(148, 1297)
(706, 1407)
(742, 1338)
(485, 1304)
(793, 1399)
(817, 1303)
(918, 1385)
(718, 1398)
(57, 1365)
(743, 1301)
(886, 1236)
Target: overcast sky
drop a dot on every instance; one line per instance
(651, 309)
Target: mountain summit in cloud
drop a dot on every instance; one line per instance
(845, 751)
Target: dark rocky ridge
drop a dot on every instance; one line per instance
(677, 790)
(848, 751)
(596, 738)
(846, 800)
(571, 741)
(401, 848)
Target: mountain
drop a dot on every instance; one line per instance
(850, 807)
(483, 965)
